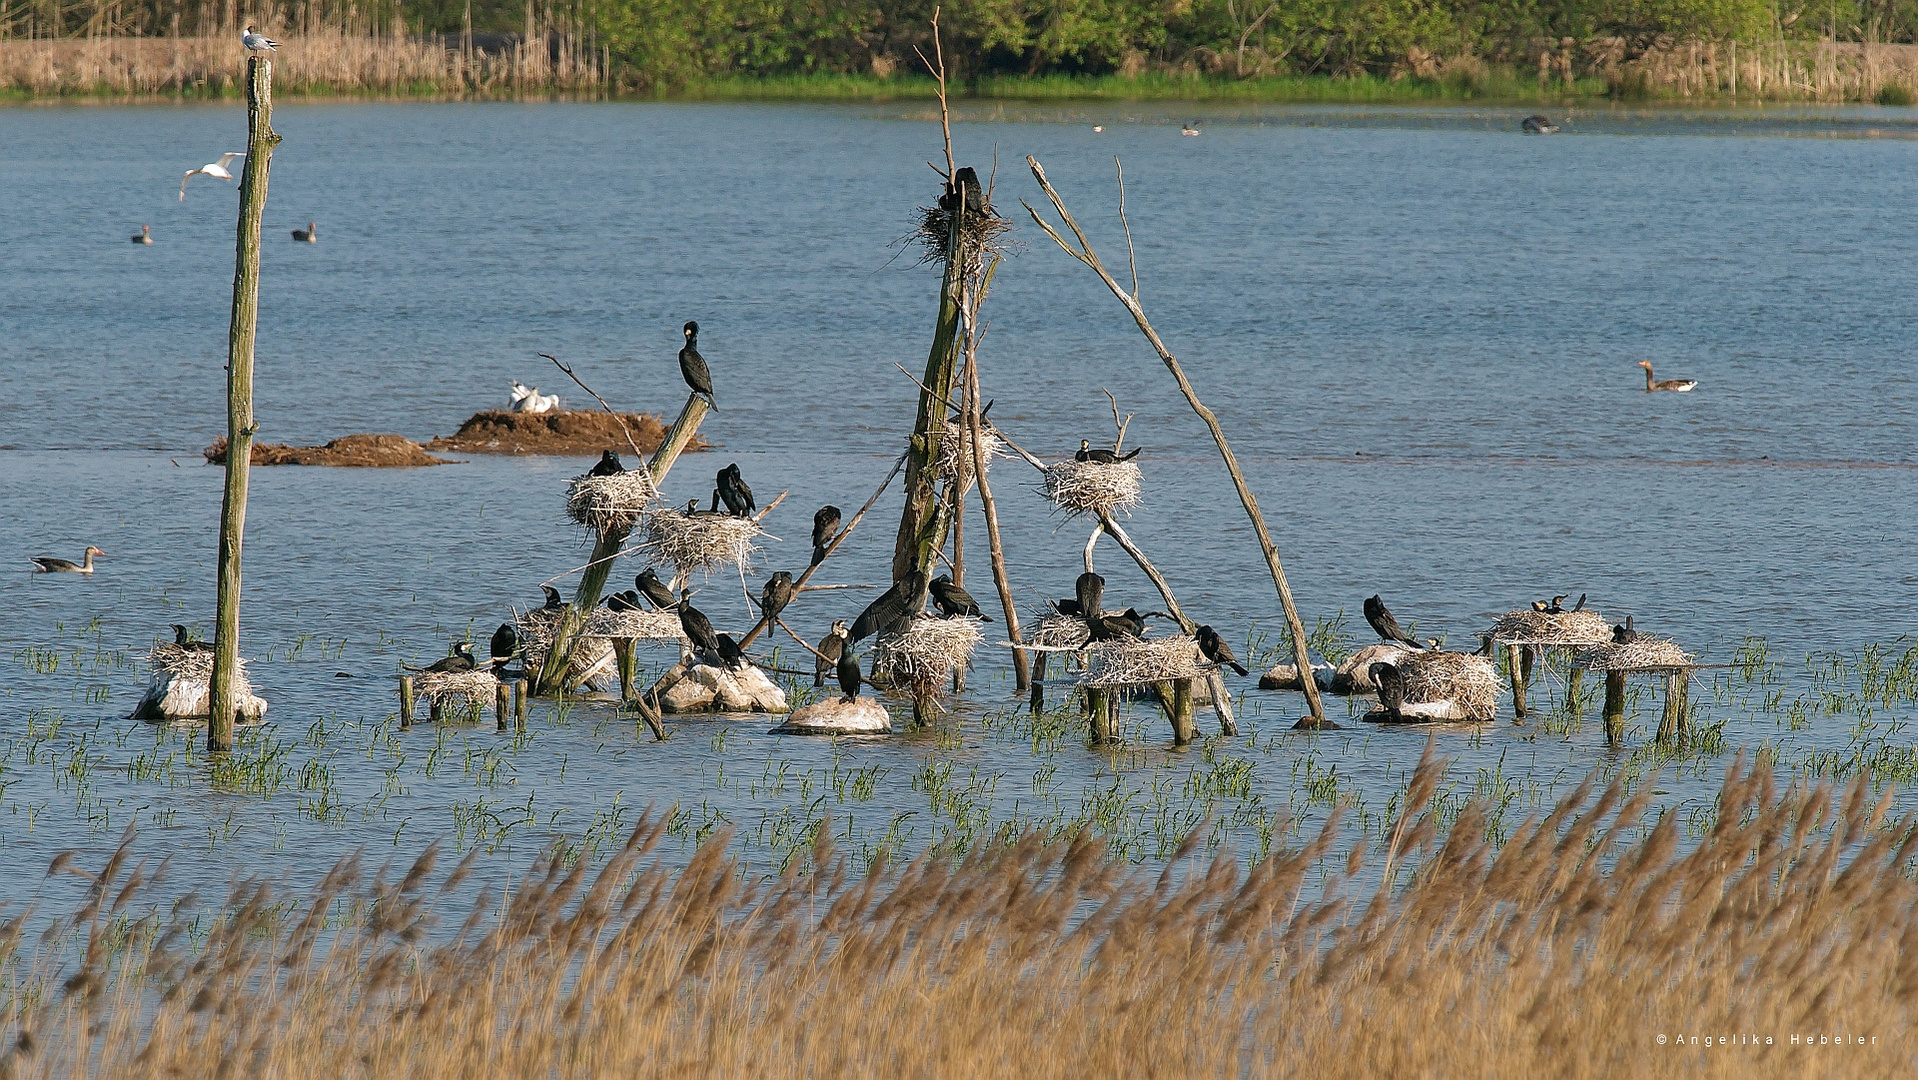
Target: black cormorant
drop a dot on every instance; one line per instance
(1090, 589)
(825, 526)
(461, 660)
(180, 639)
(1540, 606)
(1103, 457)
(894, 606)
(733, 489)
(830, 647)
(954, 599)
(1128, 623)
(692, 366)
(1217, 651)
(729, 651)
(609, 464)
(697, 627)
(653, 589)
(848, 668)
(1391, 684)
(505, 643)
(1557, 606)
(774, 597)
(1069, 607)
(1624, 635)
(553, 600)
(1385, 625)
(626, 601)
(1580, 606)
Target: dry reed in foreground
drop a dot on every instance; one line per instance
(1567, 952)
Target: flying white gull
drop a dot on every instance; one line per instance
(256, 41)
(214, 168)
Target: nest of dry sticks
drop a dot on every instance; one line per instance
(954, 460)
(1088, 487)
(1142, 662)
(1466, 678)
(475, 687)
(928, 651)
(1646, 652)
(981, 234)
(1566, 629)
(647, 625)
(538, 628)
(610, 503)
(186, 663)
(1057, 632)
(704, 542)
(182, 684)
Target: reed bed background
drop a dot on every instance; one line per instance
(1588, 945)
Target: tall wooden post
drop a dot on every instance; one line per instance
(240, 427)
(1614, 705)
(1518, 670)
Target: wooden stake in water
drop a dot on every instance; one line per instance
(1614, 705)
(222, 695)
(406, 702)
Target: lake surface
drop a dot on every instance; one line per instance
(1418, 326)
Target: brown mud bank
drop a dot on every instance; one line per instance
(576, 434)
(353, 451)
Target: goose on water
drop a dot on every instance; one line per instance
(308, 235)
(146, 235)
(219, 170)
(1537, 125)
(1681, 386)
(46, 564)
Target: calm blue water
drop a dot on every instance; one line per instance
(1418, 327)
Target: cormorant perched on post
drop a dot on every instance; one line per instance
(697, 627)
(830, 647)
(1103, 457)
(777, 593)
(733, 489)
(729, 651)
(1128, 623)
(825, 527)
(692, 366)
(653, 589)
(896, 605)
(505, 643)
(180, 639)
(609, 464)
(848, 668)
(1216, 650)
(1385, 625)
(1624, 635)
(954, 600)
(553, 600)
(1090, 589)
(461, 660)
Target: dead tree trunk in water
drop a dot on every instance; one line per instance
(922, 524)
(261, 139)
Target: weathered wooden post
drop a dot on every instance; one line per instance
(1184, 729)
(519, 704)
(406, 702)
(1673, 725)
(261, 139)
(502, 706)
(1101, 715)
(627, 660)
(1614, 705)
(1039, 682)
(1574, 682)
(1517, 667)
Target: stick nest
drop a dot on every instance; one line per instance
(928, 651)
(954, 461)
(1570, 628)
(704, 542)
(610, 503)
(538, 627)
(1468, 679)
(1056, 632)
(1646, 652)
(475, 687)
(188, 663)
(1087, 487)
(181, 685)
(1142, 662)
(647, 625)
(981, 235)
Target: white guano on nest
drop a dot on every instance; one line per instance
(1087, 487)
(610, 503)
(1645, 653)
(955, 451)
(180, 686)
(704, 542)
(1564, 630)
(928, 650)
(1465, 678)
(1055, 632)
(475, 687)
(1142, 662)
(646, 625)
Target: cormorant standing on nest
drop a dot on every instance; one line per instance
(180, 639)
(505, 643)
(825, 527)
(1556, 607)
(777, 593)
(1540, 606)
(954, 600)
(653, 589)
(1069, 607)
(965, 185)
(697, 627)
(461, 660)
(733, 489)
(1128, 623)
(609, 464)
(1090, 589)
(1624, 635)
(1391, 683)
(692, 366)
(1217, 651)
(1103, 457)
(729, 651)
(896, 605)
(1385, 625)
(830, 648)
(848, 668)
(553, 601)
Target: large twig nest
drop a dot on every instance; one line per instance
(539, 627)
(704, 542)
(928, 650)
(475, 687)
(646, 625)
(1088, 487)
(1568, 629)
(954, 461)
(180, 688)
(1056, 632)
(981, 234)
(610, 503)
(1465, 678)
(1142, 662)
(1645, 653)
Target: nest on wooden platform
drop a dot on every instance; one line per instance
(539, 626)
(1646, 652)
(928, 650)
(1088, 487)
(475, 687)
(981, 234)
(1564, 630)
(1466, 678)
(646, 625)
(954, 460)
(1056, 632)
(610, 503)
(181, 686)
(1142, 662)
(704, 542)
